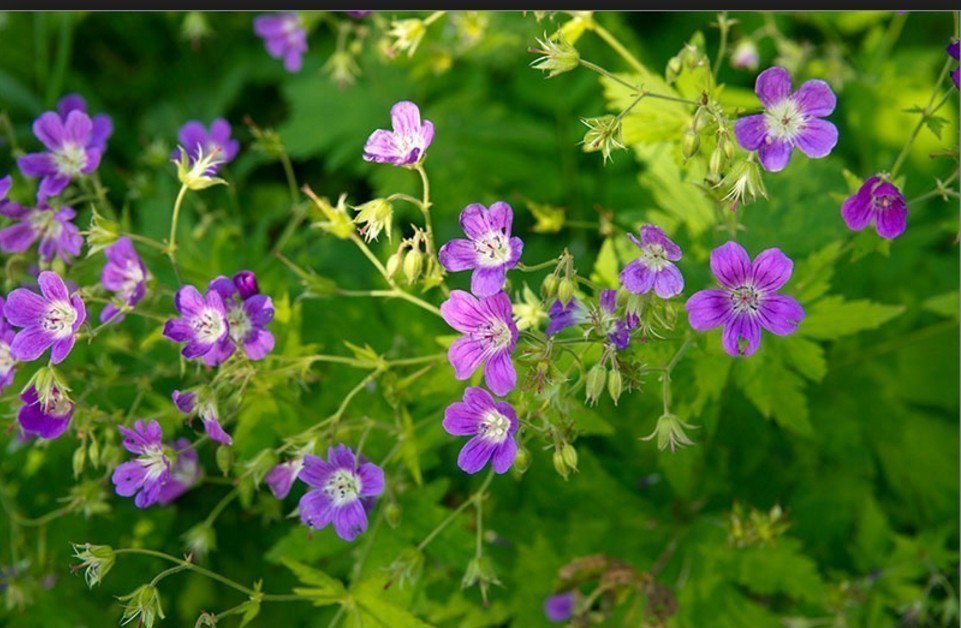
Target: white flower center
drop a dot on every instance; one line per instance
(133, 276)
(784, 120)
(6, 359)
(44, 223)
(153, 460)
(342, 487)
(745, 299)
(70, 160)
(493, 250)
(239, 323)
(654, 256)
(496, 333)
(494, 426)
(59, 319)
(209, 326)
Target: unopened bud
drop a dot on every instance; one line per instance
(225, 459)
(690, 143)
(701, 118)
(570, 456)
(549, 286)
(559, 465)
(523, 460)
(716, 163)
(393, 264)
(413, 265)
(596, 378)
(615, 384)
(565, 290)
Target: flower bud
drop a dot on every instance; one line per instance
(670, 433)
(393, 264)
(225, 459)
(701, 118)
(559, 55)
(246, 283)
(690, 143)
(549, 286)
(413, 265)
(716, 163)
(79, 460)
(690, 56)
(615, 384)
(96, 561)
(376, 216)
(522, 461)
(392, 514)
(559, 465)
(565, 290)
(596, 378)
(674, 67)
(570, 456)
(144, 603)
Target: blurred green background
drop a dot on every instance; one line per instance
(852, 430)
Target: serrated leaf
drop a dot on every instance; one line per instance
(326, 590)
(833, 317)
(781, 568)
(375, 609)
(777, 392)
(805, 356)
(945, 305)
(812, 275)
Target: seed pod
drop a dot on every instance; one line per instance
(615, 384)
(523, 460)
(690, 143)
(570, 456)
(559, 464)
(549, 286)
(595, 382)
(565, 290)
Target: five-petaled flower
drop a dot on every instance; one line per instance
(198, 141)
(71, 152)
(146, 475)
(878, 201)
(491, 424)
(343, 490)
(203, 324)
(48, 319)
(45, 419)
(54, 229)
(248, 313)
(559, 607)
(102, 124)
(655, 267)
(490, 336)
(284, 37)
(407, 144)
(747, 299)
(125, 275)
(489, 248)
(790, 120)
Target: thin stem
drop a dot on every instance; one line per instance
(618, 47)
(524, 268)
(433, 17)
(172, 241)
(370, 255)
(478, 494)
(724, 27)
(219, 508)
(391, 294)
(926, 113)
(425, 208)
(635, 88)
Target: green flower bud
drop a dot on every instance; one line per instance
(407, 35)
(716, 163)
(674, 67)
(690, 143)
(565, 290)
(596, 378)
(559, 465)
(570, 456)
(393, 263)
(523, 460)
(701, 118)
(102, 233)
(376, 216)
(96, 561)
(549, 286)
(335, 220)
(79, 460)
(615, 384)
(225, 459)
(413, 265)
(670, 433)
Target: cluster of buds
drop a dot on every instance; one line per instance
(564, 458)
(603, 135)
(562, 281)
(557, 55)
(689, 56)
(409, 258)
(755, 528)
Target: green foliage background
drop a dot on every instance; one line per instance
(851, 425)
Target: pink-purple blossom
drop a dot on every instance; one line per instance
(206, 410)
(125, 275)
(488, 249)
(617, 329)
(49, 320)
(8, 364)
(791, 119)
(46, 419)
(343, 489)
(954, 49)
(284, 37)
(70, 152)
(146, 475)
(880, 202)
(281, 477)
(53, 228)
(559, 607)
(562, 316)
(491, 424)
(247, 313)
(655, 267)
(203, 322)
(747, 300)
(490, 336)
(185, 472)
(197, 140)
(407, 143)
(102, 124)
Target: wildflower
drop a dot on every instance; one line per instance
(747, 299)
(618, 330)
(281, 477)
(198, 141)
(343, 490)
(58, 236)
(745, 55)
(206, 409)
(603, 134)
(407, 143)
(559, 55)
(125, 275)
(96, 561)
(102, 123)
(143, 603)
(790, 120)
(878, 201)
(954, 49)
(184, 474)
(284, 37)
(7, 362)
(490, 337)
(563, 316)
(670, 433)
(195, 173)
(49, 319)
(491, 424)
(146, 475)
(247, 317)
(654, 268)
(559, 607)
(489, 248)
(203, 324)
(46, 419)
(69, 154)
(376, 216)
(407, 35)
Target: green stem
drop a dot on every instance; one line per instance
(391, 294)
(172, 241)
(926, 113)
(477, 495)
(724, 27)
(425, 208)
(635, 88)
(618, 47)
(219, 508)
(524, 268)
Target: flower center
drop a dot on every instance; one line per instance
(209, 326)
(57, 405)
(784, 120)
(654, 256)
(59, 319)
(496, 334)
(6, 359)
(494, 426)
(492, 250)
(342, 487)
(133, 277)
(70, 160)
(44, 223)
(154, 461)
(745, 299)
(239, 323)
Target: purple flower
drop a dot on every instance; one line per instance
(46, 420)
(102, 124)
(197, 141)
(407, 143)
(654, 268)
(342, 491)
(789, 120)
(880, 202)
(125, 275)
(563, 316)
(284, 38)
(247, 318)
(58, 236)
(281, 478)
(618, 330)
(490, 336)
(184, 474)
(203, 324)
(491, 424)
(8, 365)
(146, 475)
(747, 299)
(70, 152)
(489, 248)
(559, 607)
(954, 49)
(5, 184)
(48, 320)
(187, 402)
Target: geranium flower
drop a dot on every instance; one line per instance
(489, 248)
(49, 319)
(490, 336)
(407, 143)
(146, 475)
(125, 275)
(491, 424)
(70, 152)
(655, 267)
(879, 202)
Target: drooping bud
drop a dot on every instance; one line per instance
(559, 55)
(690, 143)
(603, 135)
(670, 433)
(549, 286)
(716, 163)
(376, 216)
(570, 456)
(596, 378)
(95, 560)
(565, 290)
(615, 384)
(413, 265)
(523, 460)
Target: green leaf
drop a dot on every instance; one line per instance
(833, 317)
(325, 590)
(776, 391)
(606, 266)
(680, 198)
(375, 609)
(781, 568)
(812, 275)
(946, 305)
(804, 356)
